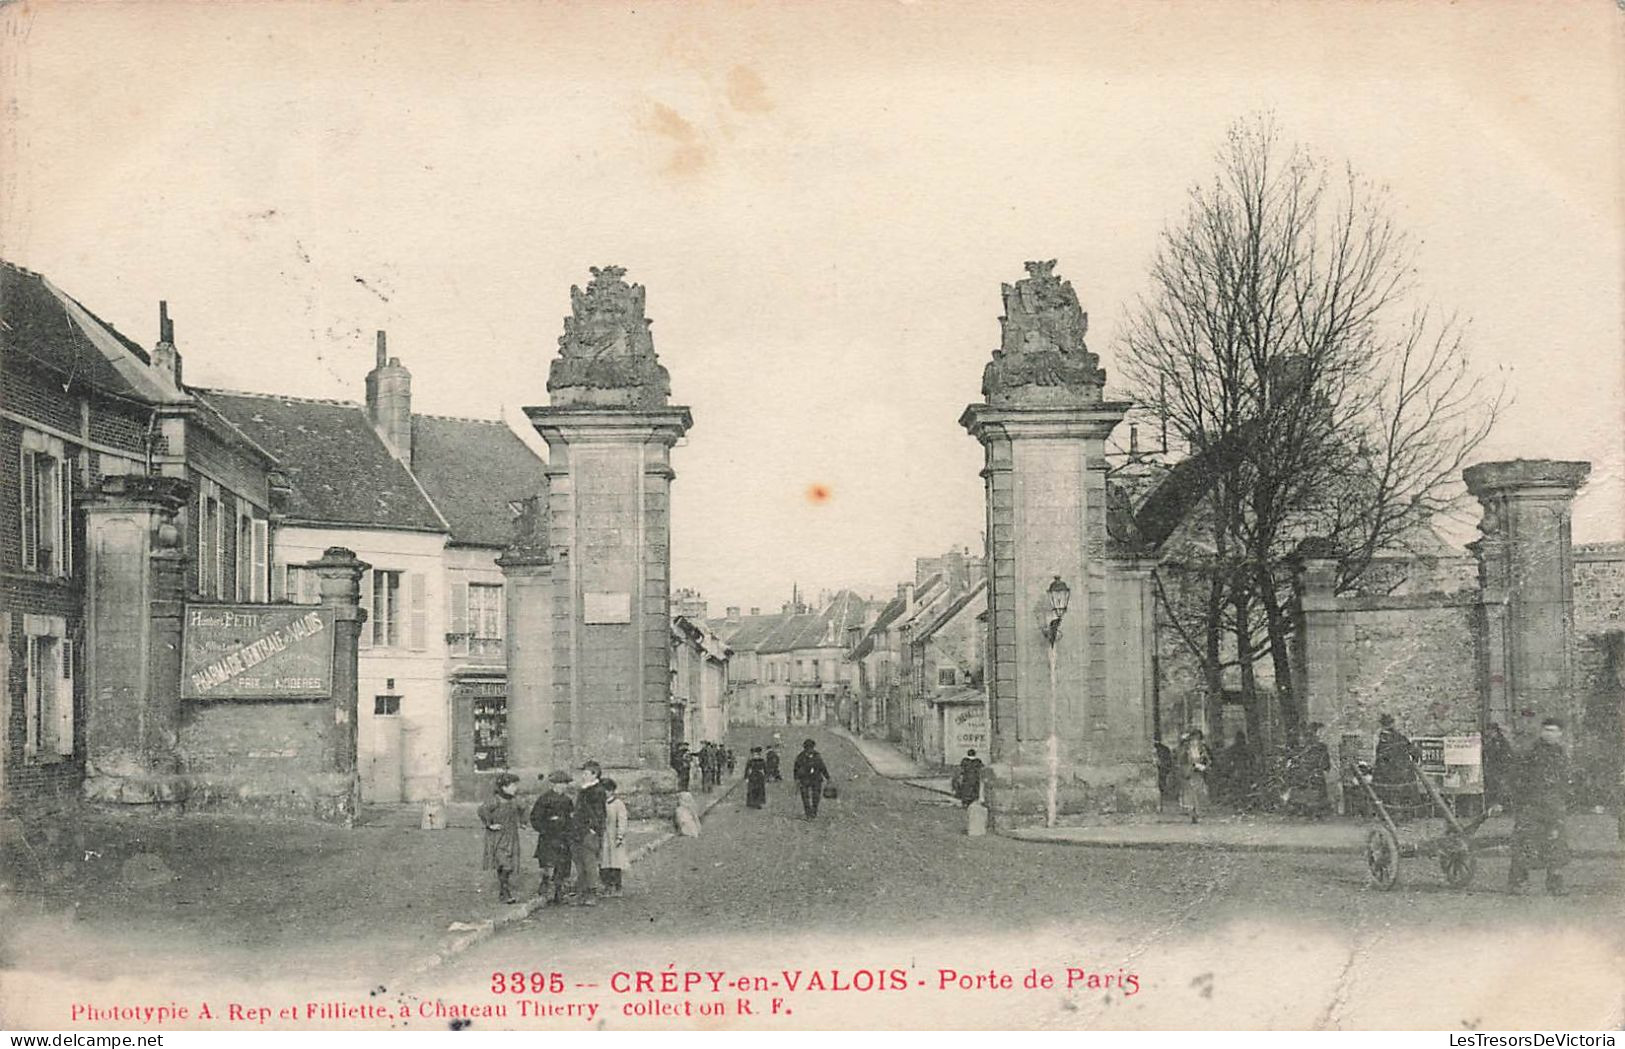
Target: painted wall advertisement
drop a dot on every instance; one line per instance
(257, 652)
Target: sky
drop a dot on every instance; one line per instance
(822, 201)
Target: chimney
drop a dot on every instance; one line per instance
(755, 611)
(165, 357)
(733, 613)
(906, 592)
(389, 402)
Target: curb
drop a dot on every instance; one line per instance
(1215, 846)
(518, 912)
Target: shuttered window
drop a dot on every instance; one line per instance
(417, 634)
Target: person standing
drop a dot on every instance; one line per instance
(967, 782)
(1167, 786)
(755, 779)
(587, 837)
(771, 762)
(1393, 773)
(1194, 762)
(680, 765)
(811, 773)
(1538, 834)
(728, 759)
(501, 816)
(1306, 774)
(1500, 762)
(1238, 775)
(551, 817)
(613, 859)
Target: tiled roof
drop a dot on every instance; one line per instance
(341, 472)
(789, 630)
(954, 608)
(472, 469)
(52, 330)
(747, 632)
(888, 615)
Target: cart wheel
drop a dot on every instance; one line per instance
(1382, 857)
(1457, 861)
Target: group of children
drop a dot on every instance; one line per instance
(580, 832)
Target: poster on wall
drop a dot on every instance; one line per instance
(256, 652)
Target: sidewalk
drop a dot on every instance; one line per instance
(1590, 835)
(892, 763)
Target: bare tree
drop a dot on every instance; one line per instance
(1281, 341)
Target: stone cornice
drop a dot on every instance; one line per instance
(984, 421)
(579, 425)
(1526, 477)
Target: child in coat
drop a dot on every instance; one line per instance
(501, 817)
(614, 860)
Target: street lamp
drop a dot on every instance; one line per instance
(1059, 595)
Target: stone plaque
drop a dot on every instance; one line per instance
(608, 608)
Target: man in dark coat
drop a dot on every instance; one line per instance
(587, 833)
(967, 782)
(811, 774)
(1393, 774)
(771, 761)
(1538, 837)
(501, 816)
(755, 779)
(551, 818)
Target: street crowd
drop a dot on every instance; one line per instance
(581, 822)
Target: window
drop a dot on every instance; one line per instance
(48, 726)
(947, 676)
(385, 613)
(46, 505)
(253, 542)
(302, 585)
(490, 728)
(211, 541)
(484, 619)
(386, 705)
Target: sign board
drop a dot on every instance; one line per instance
(257, 652)
(607, 608)
(964, 727)
(1454, 763)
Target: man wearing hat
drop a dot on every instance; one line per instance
(1538, 838)
(810, 773)
(1393, 774)
(552, 816)
(501, 816)
(587, 832)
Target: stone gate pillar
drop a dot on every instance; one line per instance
(1043, 428)
(1525, 621)
(339, 574)
(135, 582)
(609, 432)
(527, 576)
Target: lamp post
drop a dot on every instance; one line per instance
(1059, 595)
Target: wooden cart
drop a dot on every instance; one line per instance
(1384, 846)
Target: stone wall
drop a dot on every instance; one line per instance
(1599, 672)
(275, 757)
(1410, 657)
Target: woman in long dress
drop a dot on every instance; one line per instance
(1194, 762)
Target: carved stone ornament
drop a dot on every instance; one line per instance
(1042, 360)
(606, 354)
